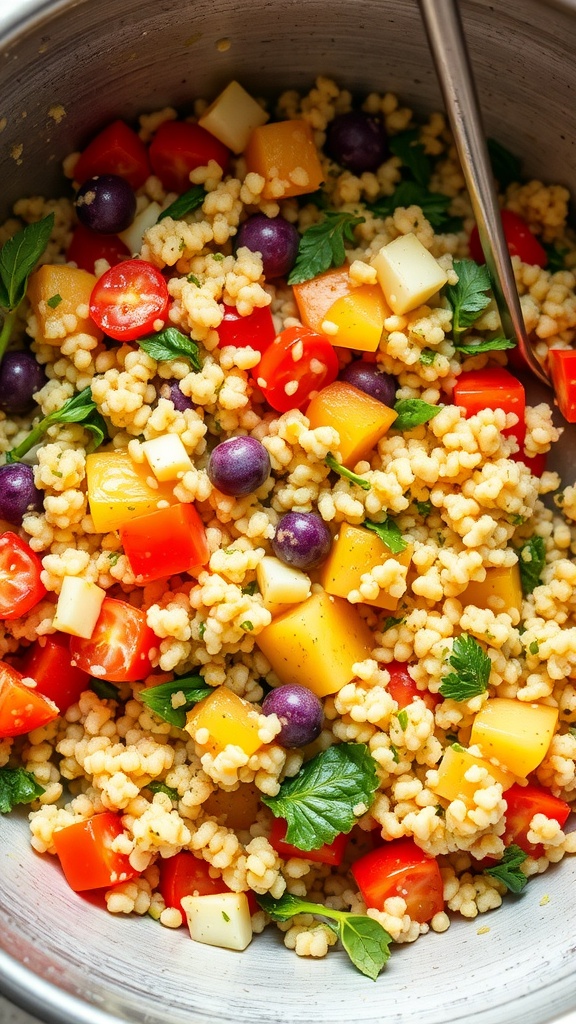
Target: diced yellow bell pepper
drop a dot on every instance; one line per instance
(60, 297)
(359, 419)
(316, 643)
(228, 719)
(359, 317)
(515, 734)
(120, 489)
(452, 785)
(315, 296)
(355, 551)
(500, 591)
(285, 154)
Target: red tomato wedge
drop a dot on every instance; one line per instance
(129, 299)
(85, 854)
(523, 802)
(22, 708)
(117, 149)
(20, 584)
(329, 853)
(256, 330)
(163, 543)
(520, 240)
(492, 388)
(119, 648)
(178, 147)
(87, 246)
(562, 363)
(297, 364)
(400, 868)
(187, 875)
(403, 688)
(48, 662)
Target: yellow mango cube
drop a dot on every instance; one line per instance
(285, 154)
(515, 734)
(60, 298)
(501, 591)
(120, 489)
(227, 719)
(359, 317)
(359, 419)
(355, 551)
(452, 784)
(317, 643)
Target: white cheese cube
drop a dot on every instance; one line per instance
(280, 584)
(233, 116)
(219, 920)
(78, 607)
(408, 274)
(134, 235)
(167, 457)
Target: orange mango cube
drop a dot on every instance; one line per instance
(359, 317)
(56, 292)
(120, 489)
(501, 591)
(359, 419)
(355, 551)
(452, 784)
(515, 734)
(228, 719)
(315, 297)
(285, 154)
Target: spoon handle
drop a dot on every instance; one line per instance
(447, 43)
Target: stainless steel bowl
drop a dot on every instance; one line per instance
(61, 958)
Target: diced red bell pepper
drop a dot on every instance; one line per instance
(179, 147)
(255, 330)
(401, 868)
(87, 246)
(404, 690)
(562, 364)
(22, 708)
(166, 542)
(117, 149)
(523, 802)
(492, 388)
(48, 662)
(520, 240)
(85, 854)
(329, 853)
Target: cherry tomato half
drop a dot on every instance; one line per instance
(187, 875)
(329, 853)
(117, 149)
(129, 299)
(22, 708)
(48, 663)
(523, 802)
(563, 370)
(87, 246)
(178, 147)
(520, 240)
(20, 584)
(85, 854)
(119, 648)
(401, 868)
(403, 688)
(255, 330)
(297, 364)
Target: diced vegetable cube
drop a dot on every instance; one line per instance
(238, 808)
(232, 117)
(354, 552)
(359, 419)
(60, 299)
(86, 855)
(359, 318)
(315, 296)
(452, 784)
(227, 719)
(408, 274)
(563, 370)
(517, 735)
(167, 457)
(401, 868)
(492, 388)
(120, 489)
(166, 542)
(285, 154)
(500, 591)
(133, 236)
(219, 920)
(280, 583)
(78, 608)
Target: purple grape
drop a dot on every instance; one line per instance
(170, 389)
(18, 492)
(366, 377)
(302, 540)
(239, 466)
(275, 238)
(300, 713)
(20, 378)
(106, 204)
(356, 141)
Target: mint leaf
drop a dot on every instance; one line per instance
(346, 473)
(81, 408)
(412, 412)
(505, 166)
(18, 257)
(488, 345)
(468, 297)
(508, 870)
(318, 803)
(389, 533)
(472, 670)
(104, 690)
(159, 698)
(17, 786)
(531, 561)
(407, 147)
(161, 787)
(170, 344)
(434, 205)
(186, 203)
(322, 246)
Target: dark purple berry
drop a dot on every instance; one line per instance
(356, 141)
(18, 492)
(374, 382)
(300, 713)
(275, 238)
(21, 376)
(239, 466)
(106, 204)
(170, 389)
(302, 540)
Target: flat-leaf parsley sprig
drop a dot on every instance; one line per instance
(81, 408)
(18, 257)
(508, 869)
(322, 245)
(17, 786)
(389, 533)
(336, 467)
(471, 673)
(468, 296)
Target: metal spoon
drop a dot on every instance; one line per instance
(450, 53)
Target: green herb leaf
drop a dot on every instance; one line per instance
(505, 166)
(319, 199)
(423, 508)
(161, 787)
(472, 670)
(18, 257)
(395, 754)
(488, 345)
(186, 203)
(365, 940)
(434, 205)
(402, 717)
(556, 256)
(159, 698)
(318, 803)
(427, 356)
(251, 588)
(226, 917)
(407, 147)
(531, 560)
(247, 626)
(170, 344)
(412, 412)
(17, 786)
(322, 246)
(104, 690)
(390, 622)
(389, 533)
(54, 302)
(346, 473)
(508, 870)
(468, 297)
(192, 279)
(81, 408)
(534, 647)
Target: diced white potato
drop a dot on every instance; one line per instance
(233, 116)
(280, 584)
(134, 235)
(78, 607)
(167, 457)
(408, 274)
(219, 920)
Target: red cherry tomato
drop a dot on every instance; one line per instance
(521, 242)
(178, 147)
(297, 364)
(187, 875)
(523, 802)
(400, 868)
(20, 584)
(163, 543)
(329, 853)
(22, 708)
(492, 388)
(117, 149)
(119, 648)
(403, 688)
(129, 299)
(562, 364)
(48, 662)
(256, 330)
(85, 853)
(87, 246)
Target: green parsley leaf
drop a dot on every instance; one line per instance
(365, 940)
(226, 917)
(104, 690)
(318, 803)
(169, 344)
(412, 412)
(427, 356)
(192, 279)
(247, 626)
(556, 256)
(201, 630)
(390, 622)
(322, 246)
(468, 297)
(389, 533)
(402, 717)
(81, 408)
(218, 256)
(488, 345)
(54, 302)
(161, 787)
(17, 786)
(251, 588)
(18, 257)
(319, 199)
(531, 561)
(505, 166)
(517, 520)
(508, 870)
(423, 508)
(186, 203)
(395, 754)
(407, 147)
(434, 205)
(472, 670)
(113, 557)
(534, 647)
(346, 473)
(159, 698)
